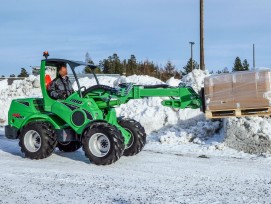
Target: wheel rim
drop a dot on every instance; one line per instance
(131, 140)
(99, 144)
(32, 141)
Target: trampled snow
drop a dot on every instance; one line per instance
(153, 176)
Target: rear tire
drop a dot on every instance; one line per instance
(103, 144)
(71, 146)
(138, 139)
(38, 140)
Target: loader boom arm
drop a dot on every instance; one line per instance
(178, 97)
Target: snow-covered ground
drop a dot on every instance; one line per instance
(187, 158)
(158, 174)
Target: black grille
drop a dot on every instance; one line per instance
(76, 101)
(89, 116)
(71, 107)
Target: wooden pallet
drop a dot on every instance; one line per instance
(264, 111)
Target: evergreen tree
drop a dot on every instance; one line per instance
(245, 65)
(132, 66)
(124, 63)
(169, 68)
(225, 70)
(157, 71)
(88, 60)
(105, 66)
(169, 71)
(188, 66)
(3, 76)
(117, 66)
(237, 65)
(114, 65)
(147, 68)
(23, 73)
(12, 75)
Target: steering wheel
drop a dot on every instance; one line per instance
(99, 87)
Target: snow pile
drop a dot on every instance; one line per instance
(120, 80)
(148, 111)
(250, 134)
(195, 79)
(20, 88)
(143, 80)
(88, 82)
(28, 87)
(3, 85)
(173, 82)
(196, 130)
(164, 124)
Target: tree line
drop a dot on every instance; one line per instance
(237, 66)
(114, 65)
(23, 73)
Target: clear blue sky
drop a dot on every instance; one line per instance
(158, 30)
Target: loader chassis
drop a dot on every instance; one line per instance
(87, 117)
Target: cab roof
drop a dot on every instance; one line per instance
(71, 63)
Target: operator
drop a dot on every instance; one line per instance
(61, 87)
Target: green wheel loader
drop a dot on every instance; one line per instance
(87, 118)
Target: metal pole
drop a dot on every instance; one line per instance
(254, 62)
(202, 63)
(192, 66)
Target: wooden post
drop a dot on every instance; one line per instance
(254, 60)
(202, 63)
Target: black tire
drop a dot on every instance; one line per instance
(114, 142)
(138, 136)
(69, 146)
(47, 140)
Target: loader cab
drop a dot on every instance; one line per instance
(52, 72)
(49, 71)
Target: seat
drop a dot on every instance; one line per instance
(48, 80)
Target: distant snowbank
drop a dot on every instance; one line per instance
(29, 87)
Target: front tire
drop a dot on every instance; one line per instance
(138, 139)
(38, 140)
(69, 146)
(103, 144)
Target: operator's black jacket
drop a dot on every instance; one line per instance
(60, 88)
